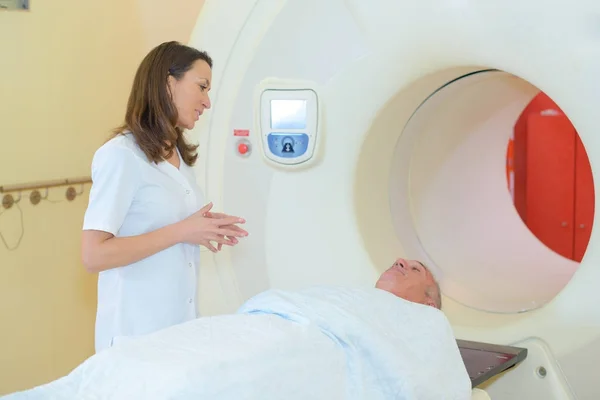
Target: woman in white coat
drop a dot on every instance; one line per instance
(146, 215)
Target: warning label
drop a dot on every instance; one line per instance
(241, 132)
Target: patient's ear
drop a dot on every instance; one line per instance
(429, 302)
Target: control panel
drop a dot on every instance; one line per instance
(288, 145)
(289, 125)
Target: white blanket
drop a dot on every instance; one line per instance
(321, 343)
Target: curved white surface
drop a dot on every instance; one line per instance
(449, 177)
(479, 394)
(400, 171)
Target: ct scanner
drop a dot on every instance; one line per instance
(399, 113)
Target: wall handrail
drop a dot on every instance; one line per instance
(44, 184)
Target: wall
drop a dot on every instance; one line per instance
(65, 81)
(549, 144)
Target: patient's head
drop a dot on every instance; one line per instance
(412, 281)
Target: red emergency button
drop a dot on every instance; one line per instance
(243, 148)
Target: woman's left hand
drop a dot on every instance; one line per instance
(233, 227)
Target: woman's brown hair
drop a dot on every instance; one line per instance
(151, 115)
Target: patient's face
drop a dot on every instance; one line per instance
(409, 280)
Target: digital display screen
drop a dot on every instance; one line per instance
(288, 114)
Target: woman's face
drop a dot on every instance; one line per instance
(190, 93)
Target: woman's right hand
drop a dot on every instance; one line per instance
(201, 229)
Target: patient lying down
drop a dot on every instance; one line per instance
(386, 342)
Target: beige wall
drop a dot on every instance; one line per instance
(66, 72)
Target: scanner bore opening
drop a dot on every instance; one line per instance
(446, 200)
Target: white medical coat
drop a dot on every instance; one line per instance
(131, 196)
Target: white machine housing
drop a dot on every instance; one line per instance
(415, 103)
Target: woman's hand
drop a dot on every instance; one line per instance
(203, 227)
(209, 214)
